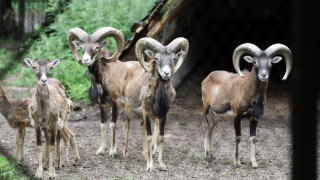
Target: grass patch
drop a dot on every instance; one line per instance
(226, 162)
(195, 157)
(9, 170)
(110, 176)
(227, 175)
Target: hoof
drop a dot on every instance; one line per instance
(162, 167)
(113, 152)
(52, 174)
(125, 154)
(149, 169)
(39, 173)
(209, 157)
(254, 164)
(76, 161)
(101, 151)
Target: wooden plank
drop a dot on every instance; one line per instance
(171, 10)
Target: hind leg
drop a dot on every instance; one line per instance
(211, 121)
(128, 120)
(20, 143)
(66, 138)
(74, 147)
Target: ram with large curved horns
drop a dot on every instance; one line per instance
(148, 88)
(241, 95)
(106, 73)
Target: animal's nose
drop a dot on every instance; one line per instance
(43, 80)
(167, 73)
(263, 75)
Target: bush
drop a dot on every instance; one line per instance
(89, 16)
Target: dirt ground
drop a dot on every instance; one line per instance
(184, 152)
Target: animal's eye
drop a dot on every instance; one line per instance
(97, 48)
(34, 68)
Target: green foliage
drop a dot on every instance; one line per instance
(5, 60)
(9, 170)
(89, 16)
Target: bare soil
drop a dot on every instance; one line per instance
(184, 152)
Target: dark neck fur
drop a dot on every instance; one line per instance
(258, 104)
(96, 79)
(162, 100)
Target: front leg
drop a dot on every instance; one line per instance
(53, 132)
(155, 139)
(104, 114)
(39, 173)
(237, 127)
(58, 151)
(46, 151)
(162, 166)
(115, 112)
(148, 140)
(253, 127)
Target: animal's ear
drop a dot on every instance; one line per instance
(248, 59)
(179, 54)
(76, 44)
(104, 43)
(28, 62)
(149, 53)
(276, 59)
(55, 62)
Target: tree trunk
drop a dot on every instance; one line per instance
(7, 22)
(21, 18)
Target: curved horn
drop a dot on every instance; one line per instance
(105, 32)
(176, 45)
(246, 48)
(282, 50)
(147, 43)
(82, 36)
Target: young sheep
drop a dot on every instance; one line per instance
(49, 108)
(148, 87)
(17, 115)
(106, 74)
(244, 95)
